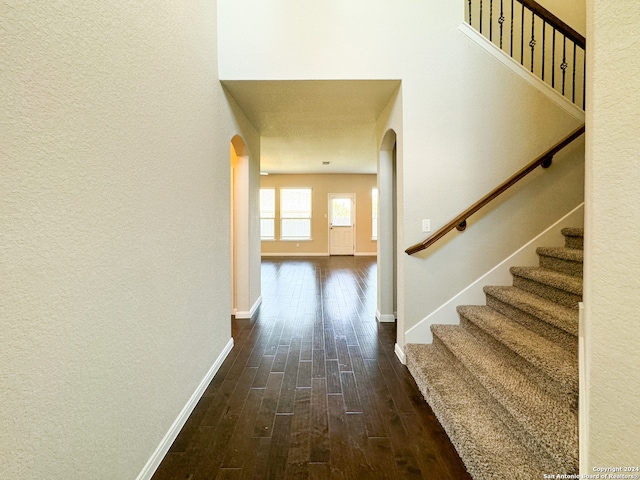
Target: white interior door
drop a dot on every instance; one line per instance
(341, 223)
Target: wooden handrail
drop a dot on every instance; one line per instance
(460, 221)
(555, 22)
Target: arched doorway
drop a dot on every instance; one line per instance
(239, 215)
(387, 230)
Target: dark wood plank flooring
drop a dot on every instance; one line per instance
(313, 389)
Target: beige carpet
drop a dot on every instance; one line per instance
(504, 383)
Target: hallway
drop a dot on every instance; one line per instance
(313, 389)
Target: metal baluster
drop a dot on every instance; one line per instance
(564, 65)
(511, 50)
(544, 44)
(491, 20)
(532, 43)
(573, 92)
(553, 61)
(469, 12)
(480, 16)
(522, 37)
(501, 21)
(584, 84)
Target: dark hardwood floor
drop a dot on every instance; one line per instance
(313, 389)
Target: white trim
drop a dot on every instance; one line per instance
(385, 318)
(255, 306)
(249, 314)
(400, 354)
(301, 254)
(553, 95)
(154, 462)
(473, 294)
(583, 394)
(290, 254)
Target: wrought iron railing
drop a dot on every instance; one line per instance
(535, 38)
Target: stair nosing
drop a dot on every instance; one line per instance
(551, 278)
(577, 232)
(562, 253)
(559, 316)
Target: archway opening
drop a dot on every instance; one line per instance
(239, 228)
(387, 230)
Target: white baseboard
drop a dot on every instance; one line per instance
(385, 318)
(160, 452)
(296, 254)
(473, 294)
(249, 314)
(317, 254)
(400, 354)
(583, 394)
(257, 304)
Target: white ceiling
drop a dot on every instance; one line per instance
(303, 123)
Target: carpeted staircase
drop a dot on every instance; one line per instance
(504, 383)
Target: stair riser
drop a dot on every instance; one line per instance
(561, 265)
(566, 393)
(514, 427)
(574, 242)
(567, 340)
(573, 237)
(561, 297)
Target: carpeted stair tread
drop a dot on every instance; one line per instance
(542, 353)
(562, 259)
(553, 424)
(561, 281)
(573, 232)
(564, 253)
(486, 446)
(559, 316)
(559, 287)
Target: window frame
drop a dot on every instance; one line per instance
(375, 212)
(284, 217)
(264, 217)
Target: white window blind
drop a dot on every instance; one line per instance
(295, 214)
(267, 213)
(374, 213)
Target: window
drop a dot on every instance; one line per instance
(267, 213)
(374, 214)
(295, 214)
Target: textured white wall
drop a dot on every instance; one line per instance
(612, 267)
(114, 229)
(467, 122)
(572, 12)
